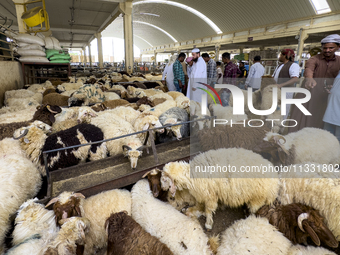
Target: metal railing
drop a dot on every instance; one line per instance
(150, 138)
(6, 46)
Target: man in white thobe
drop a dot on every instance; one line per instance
(198, 74)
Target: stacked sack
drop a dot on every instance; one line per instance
(58, 56)
(54, 52)
(30, 48)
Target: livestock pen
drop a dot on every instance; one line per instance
(114, 172)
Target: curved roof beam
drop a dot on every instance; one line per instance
(162, 30)
(185, 7)
(143, 40)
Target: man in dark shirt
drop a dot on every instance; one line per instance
(231, 70)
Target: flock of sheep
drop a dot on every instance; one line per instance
(287, 213)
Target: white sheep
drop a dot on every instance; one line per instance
(305, 145)
(113, 126)
(40, 88)
(226, 113)
(253, 236)
(72, 233)
(70, 86)
(146, 121)
(111, 96)
(14, 114)
(209, 189)
(19, 181)
(161, 108)
(34, 228)
(96, 209)
(126, 113)
(123, 91)
(319, 189)
(180, 233)
(308, 250)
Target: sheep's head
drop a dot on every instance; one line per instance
(311, 224)
(273, 144)
(151, 122)
(36, 126)
(168, 183)
(66, 205)
(85, 114)
(175, 129)
(46, 113)
(154, 178)
(61, 88)
(133, 149)
(80, 225)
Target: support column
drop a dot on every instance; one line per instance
(302, 38)
(241, 50)
(90, 56)
(82, 52)
(100, 49)
(19, 11)
(126, 9)
(141, 58)
(217, 52)
(155, 56)
(85, 56)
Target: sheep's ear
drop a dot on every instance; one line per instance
(51, 117)
(81, 227)
(146, 126)
(78, 195)
(311, 232)
(282, 155)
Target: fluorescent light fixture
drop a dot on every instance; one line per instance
(151, 14)
(144, 40)
(151, 25)
(187, 8)
(320, 6)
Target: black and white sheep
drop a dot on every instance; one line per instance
(34, 141)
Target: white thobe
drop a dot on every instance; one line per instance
(168, 71)
(198, 74)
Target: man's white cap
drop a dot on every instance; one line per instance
(195, 50)
(334, 38)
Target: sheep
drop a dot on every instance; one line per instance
(209, 191)
(22, 103)
(160, 95)
(175, 116)
(180, 201)
(87, 94)
(180, 233)
(146, 121)
(137, 92)
(34, 141)
(174, 94)
(226, 113)
(253, 236)
(113, 126)
(73, 113)
(123, 91)
(34, 228)
(55, 99)
(161, 108)
(309, 250)
(305, 145)
(68, 92)
(40, 88)
(18, 93)
(69, 86)
(127, 237)
(224, 136)
(126, 113)
(71, 237)
(96, 209)
(297, 222)
(43, 114)
(320, 191)
(48, 91)
(20, 180)
(111, 96)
